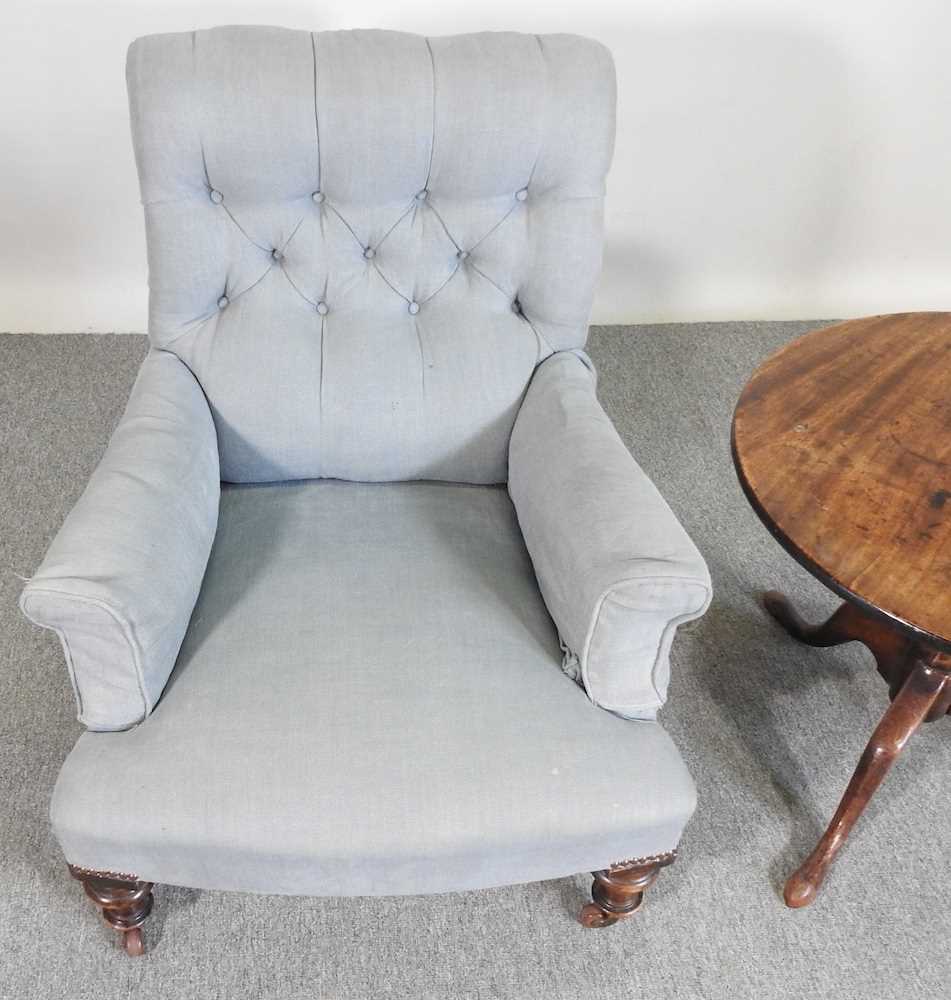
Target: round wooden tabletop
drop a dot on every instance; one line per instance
(842, 443)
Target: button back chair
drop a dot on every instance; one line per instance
(366, 595)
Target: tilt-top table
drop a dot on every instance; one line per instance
(842, 444)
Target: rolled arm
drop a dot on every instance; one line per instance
(615, 567)
(120, 579)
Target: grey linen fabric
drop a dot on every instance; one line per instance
(616, 569)
(369, 701)
(363, 254)
(119, 582)
(359, 255)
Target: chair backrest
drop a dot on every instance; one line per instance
(362, 243)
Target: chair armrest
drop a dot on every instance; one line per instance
(616, 569)
(121, 578)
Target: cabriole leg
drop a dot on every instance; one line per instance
(891, 649)
(925, 689)
(845, 625)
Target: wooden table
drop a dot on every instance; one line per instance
(842, 443)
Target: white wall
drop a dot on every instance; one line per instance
(774, 159)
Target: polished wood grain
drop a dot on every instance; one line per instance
(842, 442)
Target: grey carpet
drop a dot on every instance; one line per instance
(771, 731)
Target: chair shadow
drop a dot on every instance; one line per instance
(741, 636)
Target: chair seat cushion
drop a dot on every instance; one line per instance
(369, 700)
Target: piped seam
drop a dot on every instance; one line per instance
(125, 628)
(673, 623)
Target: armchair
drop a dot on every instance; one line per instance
(364, 513)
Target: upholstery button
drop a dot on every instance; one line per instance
(322, 308)
(516, 306)
(223, 302)
(216, 196)
(522, 195)
(369, 253)
(463, 254)
(276, 255)
(413, 308)
(422, 195)
(317, 197)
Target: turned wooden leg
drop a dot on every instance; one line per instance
(123, 902)
(927, 687)
(618, 891)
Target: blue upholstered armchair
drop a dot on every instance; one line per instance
(367, 596)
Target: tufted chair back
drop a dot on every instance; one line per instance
(362, 243)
